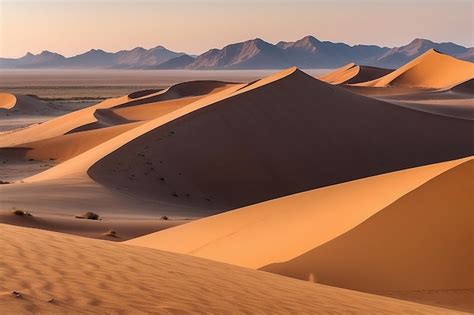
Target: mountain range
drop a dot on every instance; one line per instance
(308, 52)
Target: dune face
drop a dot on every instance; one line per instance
(270, 139)
(430, 70)
(351, 73)
(399, 232)
(79, 275)
(426, 238)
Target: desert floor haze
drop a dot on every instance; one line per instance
(327, 191)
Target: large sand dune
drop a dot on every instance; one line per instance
(405, 231)
(431, 70)
(250, 143)
(352, 73)
(57, 273)
(269, 139)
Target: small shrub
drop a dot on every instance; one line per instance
(164, 218)
(21, 212)
(4, 182)
(88, 215)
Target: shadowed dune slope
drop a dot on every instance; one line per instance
(274, 138)
(352, 73)
(94, 276)
(430, 70)
(285, 228)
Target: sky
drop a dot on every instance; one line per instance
(70, 27)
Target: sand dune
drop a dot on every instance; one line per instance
(312, 221)
(430, 70)
(352, 73)
(180, 90)
(426, 238)
(57, 126)
(92, 117)
(79, 275)
(244, 144)
(266, 140)
(7, 101)
(405, 231)
(23, 105)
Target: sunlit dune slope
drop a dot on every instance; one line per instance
(430, 70)
(92, 276)
(422, 241)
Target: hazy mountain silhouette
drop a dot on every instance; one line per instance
(308, 52)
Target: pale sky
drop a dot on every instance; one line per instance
(70, 27)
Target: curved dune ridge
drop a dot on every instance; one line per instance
(432, 70)
(352, 73)
(266, 140)
(84, 275)
(409, 230)
(7, 100)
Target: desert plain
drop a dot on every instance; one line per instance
(348, 191)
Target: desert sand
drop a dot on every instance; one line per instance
(80, 275)
(173, 151)
(342, 183)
